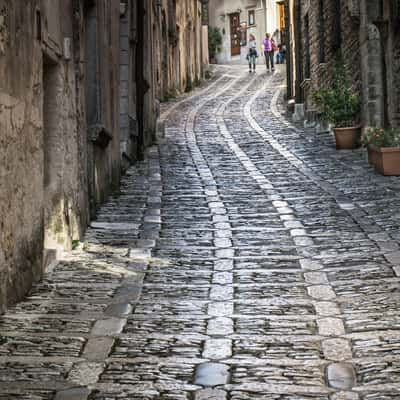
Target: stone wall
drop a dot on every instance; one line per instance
(369, 42)
(178, 53)
(322, 41)
(102, 55)
(379, 33)
(41, 205)
(59, 118)
(80, 84)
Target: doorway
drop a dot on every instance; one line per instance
(282, 22)
(235, 34)
(53, 159)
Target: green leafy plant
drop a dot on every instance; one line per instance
(338, 104)
(382, 137)
(214, 41)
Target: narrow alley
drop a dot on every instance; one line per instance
(244, 259)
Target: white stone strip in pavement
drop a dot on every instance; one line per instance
(193, 95)
(319, 289)
(263, 182)
(85, 373)
(330, 325)
(220, 307)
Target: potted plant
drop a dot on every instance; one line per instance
(383, 149)
(214, 42)
(339, 105)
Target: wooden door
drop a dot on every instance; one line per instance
(235, 34)
(282, 24)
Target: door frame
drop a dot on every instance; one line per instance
(231, 16)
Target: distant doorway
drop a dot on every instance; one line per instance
(53, 158)
(282, 22)
(235, 34)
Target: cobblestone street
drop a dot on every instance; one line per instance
(245, 259)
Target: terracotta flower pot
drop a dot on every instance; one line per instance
(347, 138)
(388, 161)
(372, 154)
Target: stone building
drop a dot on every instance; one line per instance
(79, 90)
(59, 151)
(161, 56)
(179, 57)
(237, 19)
(366, 33)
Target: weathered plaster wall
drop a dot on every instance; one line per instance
(180, 49)
(40, 200)
(103, 98)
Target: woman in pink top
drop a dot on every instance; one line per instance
(269, 45)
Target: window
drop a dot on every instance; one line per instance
(252, 17)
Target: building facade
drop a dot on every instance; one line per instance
(365, 33)
(80, 87)
(237, 19)
(161, 57)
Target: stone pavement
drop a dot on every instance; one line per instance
(245, 259)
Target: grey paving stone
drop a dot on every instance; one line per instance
(220, 326)
(321, 292)
(221, 292)
(326, 308)
(341, 376)
(98, 349)
(210, 394)
(118, 310)
(223, 265)
(222, 278)
(310, 264)
(85, 373)
(218, 238)
(316, 278)
(337, 349)
(331, 327)
(217, 349)
(345, 396)
(211, 374)
(108, 327)
(393, 257)
(73, 394)
(220, 309)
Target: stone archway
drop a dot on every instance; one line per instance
(392, 14)
(380, 50)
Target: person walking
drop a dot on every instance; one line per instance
(252, 53)
(269, 47)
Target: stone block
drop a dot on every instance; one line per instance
(341, 376)
(211, 374)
